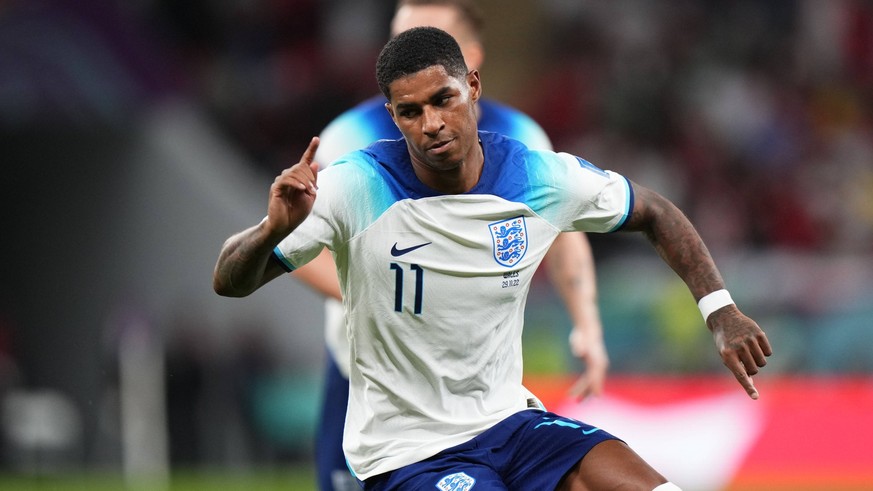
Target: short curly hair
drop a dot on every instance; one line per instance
(414, 50)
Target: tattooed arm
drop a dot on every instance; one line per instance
(742, 344)
(244, 261)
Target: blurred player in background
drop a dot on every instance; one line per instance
(570, 263)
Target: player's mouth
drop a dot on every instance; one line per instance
(440, 147)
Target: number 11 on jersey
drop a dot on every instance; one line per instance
(398, 287)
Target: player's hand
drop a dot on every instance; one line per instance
(293, 194)
(589, 348)
(742, 344)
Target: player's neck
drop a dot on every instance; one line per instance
(458, 180)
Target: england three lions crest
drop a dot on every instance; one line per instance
(509, 240)
(459, 481)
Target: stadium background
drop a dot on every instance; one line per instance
(136, 136)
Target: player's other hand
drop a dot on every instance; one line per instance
(293, 193)
(589, 348)
(742, 344)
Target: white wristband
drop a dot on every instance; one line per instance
(714, 301)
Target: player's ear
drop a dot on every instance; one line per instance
(390, 109)
(475, 85)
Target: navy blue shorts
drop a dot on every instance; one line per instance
(530, 450)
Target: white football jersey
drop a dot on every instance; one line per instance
(369, 121)
(434, 286)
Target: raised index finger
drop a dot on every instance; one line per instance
(308, 161)
(309, 154)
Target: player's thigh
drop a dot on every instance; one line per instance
(611, 465)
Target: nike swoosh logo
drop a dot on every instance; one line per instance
(588, 432)
(399, 252)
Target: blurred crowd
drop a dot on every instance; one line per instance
(756, 117)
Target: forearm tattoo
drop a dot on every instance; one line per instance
(681, 247)
(242, 262)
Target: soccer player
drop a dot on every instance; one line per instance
(570, 263)
(436, 238)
